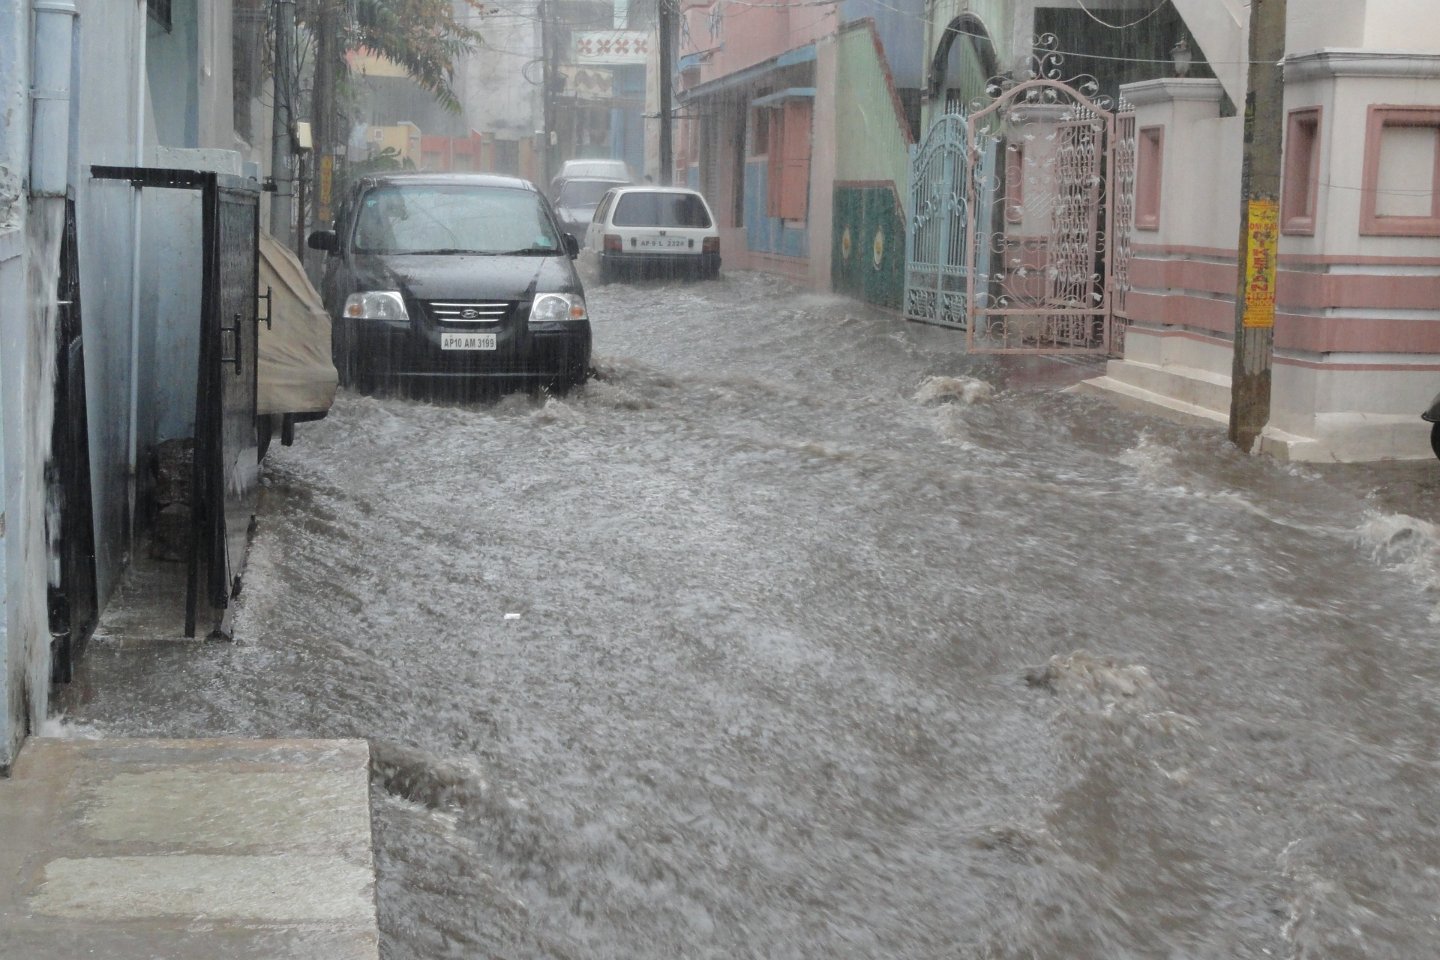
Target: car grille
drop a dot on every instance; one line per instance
(469, 311)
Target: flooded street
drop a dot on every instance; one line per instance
(799, 633)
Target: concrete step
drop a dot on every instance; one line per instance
(188, 848)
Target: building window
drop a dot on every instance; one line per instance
(1149, 180)
(1302, 171)
(159, 11)
(788, 183)
(1400, 190)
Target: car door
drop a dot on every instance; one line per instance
(335, 283)
(595, 232)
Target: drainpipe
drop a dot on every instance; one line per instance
(50, 96)
(132, 442)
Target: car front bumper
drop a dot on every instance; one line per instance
(697, 263)
(378, 349)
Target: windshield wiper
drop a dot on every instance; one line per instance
(528, 252)
(442, 251)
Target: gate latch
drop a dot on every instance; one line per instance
(236, 358)
(269, 308)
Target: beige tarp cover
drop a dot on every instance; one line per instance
(296, 372)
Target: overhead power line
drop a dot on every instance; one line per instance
(1122, 26)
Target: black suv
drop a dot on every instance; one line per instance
(453, 277)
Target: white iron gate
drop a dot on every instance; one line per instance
(1020, 219)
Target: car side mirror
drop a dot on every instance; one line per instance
(572, 246)
(323, 240)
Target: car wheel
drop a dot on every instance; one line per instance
(1435, 438)
(264, 430)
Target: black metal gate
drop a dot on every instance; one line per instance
(224, 466)
(72, 600)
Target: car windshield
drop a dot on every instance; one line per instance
(453, 218)
(584, 193)
(659, 209)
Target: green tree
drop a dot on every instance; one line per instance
(423, 36)
(426, 37)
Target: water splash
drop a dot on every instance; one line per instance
(1406, 544)
(961, 390)
(1152, 460)
(61, 728)
(1102, 679)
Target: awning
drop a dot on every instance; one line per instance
(780, 96)
(789, 58)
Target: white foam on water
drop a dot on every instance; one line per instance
(553, 410)
(62, 729)
(1406, 544)
(1151, 460)
(613, 395)
(962, 390)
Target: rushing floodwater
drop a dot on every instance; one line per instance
(799, 633)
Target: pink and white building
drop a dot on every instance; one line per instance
(1357, 327)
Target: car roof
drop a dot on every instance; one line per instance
(618, 181)
(657, 188)
(594, 161)
(454, 179)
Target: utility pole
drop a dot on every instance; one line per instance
(547, 86)
(1259, 225)
(665, 26)
(328, 48)
(282, 150)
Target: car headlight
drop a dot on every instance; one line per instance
(376, 305)
(553, 307)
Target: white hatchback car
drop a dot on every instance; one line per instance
(644, 230)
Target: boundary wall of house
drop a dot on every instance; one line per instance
(109, 107)
(867, 250)
(1357, 330)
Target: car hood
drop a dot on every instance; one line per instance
(466, 276)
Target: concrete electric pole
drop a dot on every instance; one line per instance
(548, 166)
(1259, 225)
(328, 134)
(282, 152)
(665, 27)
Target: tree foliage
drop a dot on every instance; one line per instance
(426, 37)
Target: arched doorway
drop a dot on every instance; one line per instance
(964, 62)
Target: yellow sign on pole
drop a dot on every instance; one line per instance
(1262, 243)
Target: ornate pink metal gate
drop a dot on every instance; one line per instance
(1050, 207)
